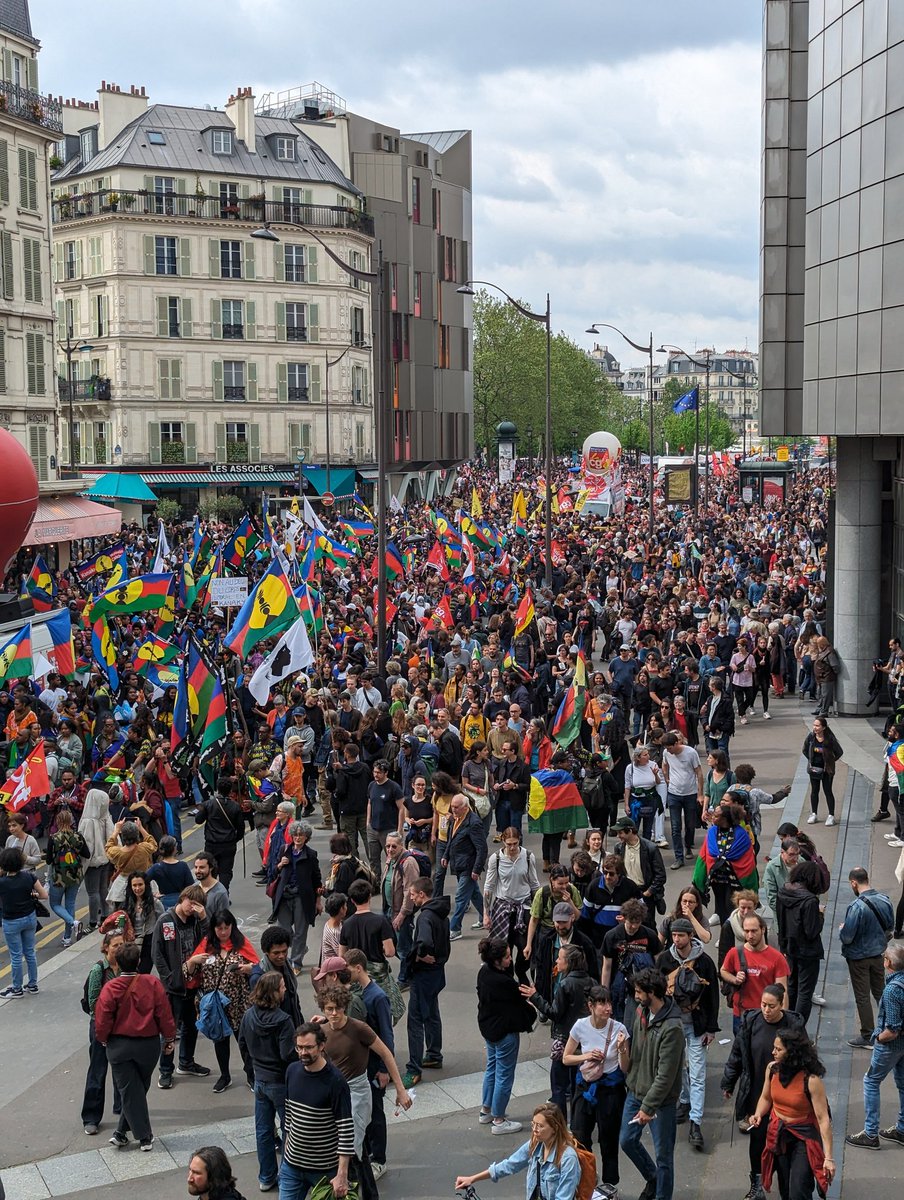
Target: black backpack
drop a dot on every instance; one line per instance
(686, 987)
(106, 974)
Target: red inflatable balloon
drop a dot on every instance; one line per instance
(18, 497)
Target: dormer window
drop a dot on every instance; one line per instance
(221, 141)
(285, 149)
(87, 145)
(155, 138)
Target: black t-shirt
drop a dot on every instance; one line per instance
(367, 932)
(384, 815)
(617, 945)
(15, 895)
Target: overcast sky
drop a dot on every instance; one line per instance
(616, 142)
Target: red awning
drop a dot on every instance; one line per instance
(67, 518)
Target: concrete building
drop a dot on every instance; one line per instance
(417, 187)
(832, 291)
(608, 365)
(732, 385)
(201, 357)
(29, 123)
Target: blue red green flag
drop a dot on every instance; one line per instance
(554, 804)
(270, 608)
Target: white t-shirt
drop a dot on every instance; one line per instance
(589, 1038)
(683, 769)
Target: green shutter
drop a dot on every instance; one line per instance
(79, 261)
(254, 443)
(6, 263)
(64, 442)
(4, 172)
(2, 362)
(86, 442)
(163, 378)
(218, 384)
(28, 179)
(175, 378)
(247, 260)
(311, 264)
(37, 449)
(149, 183)
(185, 257)
(190, 441)
(34, 360)
(154, 453)
(95, 256)
(280, 321)
(7, 64)
(180, 191)
(162, 316)
(282, 383)
(279, 263)
(314, 375)
(216, 318)
(150, 256)
(220, 439)
(107, 316)
(60, 319)
(31, 73)
(58, 267)
(313, 315)
(365, 386)
(251, 376)
(294, 440)
(244, 191)
(94, 330)
(307, 196)
(213, 257)
(250, 320)
(186, 327)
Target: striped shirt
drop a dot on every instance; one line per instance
(318, 1119)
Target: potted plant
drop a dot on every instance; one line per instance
(55, 162)
(231, 211)
(65, 206)
(128, 200)
(257, 203)
(113, 201)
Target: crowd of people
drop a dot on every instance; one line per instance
(424, 772)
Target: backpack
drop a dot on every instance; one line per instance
(686, 987)
(67, 862)
(429, 762)
(587, 1182)
(213, 1020)
(423, 861)
(632, 960)
(106, 974)
(363, 871)
(592, 792)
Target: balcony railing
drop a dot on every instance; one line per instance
(296, 333)
(95, 388)
(29, 105)
(298, 395)
(234, 392)
(236, 332)
(178, 205)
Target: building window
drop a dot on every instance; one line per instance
(437, 209)
(357, 330)
(415, 199)
(165, 259)
(155, 137)
(172, 316)
(296, 323)
(233, 381)
(164, 190)
(359, 378)
(88, 145)
(221, 141)
(444, 358)
(169, 378)
(356, 260)
(297, 376)
(229, 199)
(100, 312)
(449, 264)
(233, 318)
(230, 260)
(70, 260)
(394, 287)
(285, 149)
(237, 442)
(294, 260)
(416, 301)
(172, 443)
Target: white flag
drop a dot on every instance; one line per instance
(394, 503)
(311, 517)
(163, 550)
(293, 652)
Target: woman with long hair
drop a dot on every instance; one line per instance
(727, 860)
(502, 1016)
(66, 853)
(822, 750)
(509, 886)
(96, 827)
(549, 1157)
(688, 906)
(143, 909)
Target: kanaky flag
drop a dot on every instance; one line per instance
(16, 660)
(567, 724)
(214, 719)
(103, 650)
(525, 614)
(59, 626)
(241, 542)
(269, 609)
(30, 779)
(554, 803)
(40, 586)
(740, 854)
(142, 594)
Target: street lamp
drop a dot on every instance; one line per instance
(332, 362)
(708, 366)
(266, 234)
(70, 348)
(467, 289)
(648, 349)
(743, 376)
(574, 443)
(529, 434)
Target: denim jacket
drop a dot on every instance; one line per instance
(556, 1183)
(863, 932)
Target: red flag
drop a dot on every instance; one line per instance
(29, 779)
(444, 610)
(566, 503)
(436, 560)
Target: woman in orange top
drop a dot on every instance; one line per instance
(799, 1137)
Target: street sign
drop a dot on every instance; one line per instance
(231, 592)
(327, 499)
(782, 454)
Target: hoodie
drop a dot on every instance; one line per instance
(657, 1056)
(431, 933)
(705, 1017)
(410, 764)
(799, 923)
(267, 1036)
(352, 782)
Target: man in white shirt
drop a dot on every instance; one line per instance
(53, 694)
(684, 779)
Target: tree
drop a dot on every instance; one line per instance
(168, 510)
(680, 429)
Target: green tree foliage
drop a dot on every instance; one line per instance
(169, 510)
(680, 429)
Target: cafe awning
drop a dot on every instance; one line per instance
(118, 486)
(68, 518)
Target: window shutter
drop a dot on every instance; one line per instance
(311, 264)
(149, 183)
(250, 321)
(254, 443)
(220, 437)
(218, 385)
(106, 313)
(96, 256)
(60, 319)
(216, 318)
(190, 441)
(247, 260)
(365, 382)
(314, 376)
(213, 254)
(94, 323)
(163, 378)
(280, 321)
(176, 378)
(294, 440)
(154, 452)
(34, 359)
(163, 316)
(307, 196)
(2, 362)
(180, 189)
(186, 328)
(6, 254)
(313, 322)
(37, 280)
(251, 375)
(244, 191)
(4, 172)
(23, 177)
(79, 261)
(31, 73)
(185, 257)
(279, 263)
(282, 383)
(37, 449)
(86, 442)
(63, 455)
(58, 262)
(150, 257)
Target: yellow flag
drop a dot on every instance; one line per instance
(555, 504)
(519, 506)
(581, 499)
(476, 506)
(294, 507)
(537, 510)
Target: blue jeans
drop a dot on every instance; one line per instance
(424, 1021)
(886, 1060)
(466, 892)
(269, 1103)
(20, 938)
(500, 1074)
(404, 946)
(506, 816)
(693, 1077)
(295, 1182)
(663, 1134)
(682, 806)
(62, 902)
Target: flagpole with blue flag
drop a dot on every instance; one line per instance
(688, 402)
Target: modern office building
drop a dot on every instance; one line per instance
(832, 291)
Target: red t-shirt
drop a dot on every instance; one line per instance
(763, 967)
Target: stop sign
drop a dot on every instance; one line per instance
(327, 499)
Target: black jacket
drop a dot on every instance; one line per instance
(706, 1015)
(799, 923)
(544, 953)
(302, 873)
(466, 849)
(352, 782)
(223, 818)
(451, 754)
(519, 773)
(569, 1003)
(651, 866)
(501, 1009)
(431, 933)
(173, 942)
(290, 1005)
(739, 1069)
(268, 1036)
(722, 721)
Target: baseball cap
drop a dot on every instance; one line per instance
(563, 912)
(622, 825)
(330, 966)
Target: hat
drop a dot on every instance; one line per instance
(293, 741)
(330, 966)
(623, 825)
(563, 912)
(624, 646)
(456, 641)
(682, 925)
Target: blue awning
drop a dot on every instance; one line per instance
(342, 480)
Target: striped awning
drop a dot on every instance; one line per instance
(212, 478)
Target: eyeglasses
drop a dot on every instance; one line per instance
(610, 873)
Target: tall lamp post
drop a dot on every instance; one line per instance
(266, 234)
(70, 348)
(707, 365)
(529, 435)
(544, 318)
(332, 362)
(648, 349)
(743, 376)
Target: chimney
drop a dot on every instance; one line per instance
(117, 109)
(240, 111)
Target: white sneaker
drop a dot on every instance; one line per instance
(895, 843)
(812, 819)
(743, 720)
(484, 1117)
(888, 836)
(830, 820)
(767, 717)
(507, 1126)
(714, 919)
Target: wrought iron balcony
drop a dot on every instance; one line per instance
(30, 105)
(296, 333)
(298, 395)
(95, 388)
(179, 205)
(234, 392)
(236, 332)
